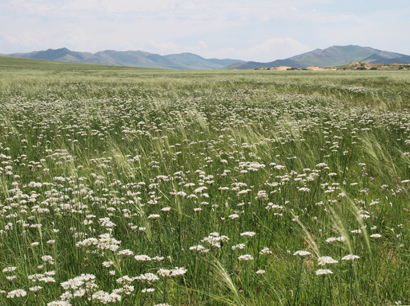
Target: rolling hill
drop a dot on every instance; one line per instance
(332, 56)
(129, 58)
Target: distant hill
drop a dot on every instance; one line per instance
(129, 58)
(329, 57)
(332, 56)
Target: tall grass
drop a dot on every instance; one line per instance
(225, 175)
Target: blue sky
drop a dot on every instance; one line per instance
(258, 30)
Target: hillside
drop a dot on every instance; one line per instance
(129, 58)
(332, 56)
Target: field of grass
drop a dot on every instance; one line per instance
(126, 186)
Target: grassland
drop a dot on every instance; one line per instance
(127, 186)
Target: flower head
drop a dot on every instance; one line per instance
(323, 272)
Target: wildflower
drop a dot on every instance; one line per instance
(59, 303)
(36, 288)
(265, 251)
(9, 269)
(154, 216)
(142, 258)
(233, 216)
(305, 189)
(375, 235)
(125, 279)
(245, 257)
(215, 240)
(326, 260)
(250, 234)
(301, 253)
(260, 272)
(332, 239)
(126, 252)
(149, 277)
(350, 257)
(16, 293)
(147, 290)
(105, 297)
(178, 271)
(78, 281)
(240, 246)
(197, 248)
(323, 272)
(107, 264)
(164, 272)
(48, 259)
(47, 279)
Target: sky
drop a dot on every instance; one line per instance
(251, 30)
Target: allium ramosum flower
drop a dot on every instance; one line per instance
(326, 260)
(323, 272)
(301, 253)
(16, 293)
(350, 257)
(246, 257)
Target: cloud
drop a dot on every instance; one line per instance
(163, 47)
(260, 30)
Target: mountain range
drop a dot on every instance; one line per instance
(332, 56)
(129, 58)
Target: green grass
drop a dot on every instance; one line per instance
(89, 150)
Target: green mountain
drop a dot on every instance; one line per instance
(332, 56)
(129, 58)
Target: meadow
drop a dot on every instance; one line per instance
(127, 186)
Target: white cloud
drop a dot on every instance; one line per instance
(163, 48)
(230, 28)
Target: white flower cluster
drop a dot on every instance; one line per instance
(104, 242)
(172, 273)
(215, 240)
